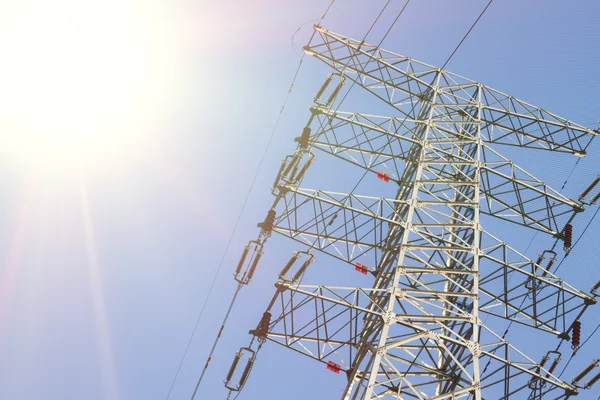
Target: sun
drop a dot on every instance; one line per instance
(85, 82)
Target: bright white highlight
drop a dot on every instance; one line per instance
(85, 82)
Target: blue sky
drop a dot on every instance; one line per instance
(106, 262)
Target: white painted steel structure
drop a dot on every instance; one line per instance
(417, 331)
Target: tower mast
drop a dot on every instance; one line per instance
(417, 331)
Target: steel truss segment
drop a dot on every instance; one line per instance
(328, 323)
(510, 193)
(517, 288)
(499, 252)
(535, 297)
(517, 196)
(364, 140)
(446, 247)
(402, 82)
(347, 226)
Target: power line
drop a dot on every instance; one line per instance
(212, 350)
(244, 204)
(376, 19)
(260, 164)
(309, 21)
(591, 335)
(393, 23)
(467, 34)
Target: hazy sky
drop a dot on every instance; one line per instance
(130, 132)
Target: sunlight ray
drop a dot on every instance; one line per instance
(99, 304)
(9, 274)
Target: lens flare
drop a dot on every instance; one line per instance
(13, 261)
(85, 82)
(104, 341)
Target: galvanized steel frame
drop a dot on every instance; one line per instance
(417, 332)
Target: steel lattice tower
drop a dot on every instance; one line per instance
(418, 331)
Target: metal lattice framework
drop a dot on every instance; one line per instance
(417, 331)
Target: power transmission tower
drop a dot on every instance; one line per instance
(417, 332)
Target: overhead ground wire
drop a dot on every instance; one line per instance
(244, 204)
(467, 34)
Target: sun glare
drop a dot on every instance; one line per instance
(84, 81)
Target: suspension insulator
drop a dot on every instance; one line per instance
(585, 371)
(263, 325)
(334, 367)
(596, 288)
(576, 334)
(267, 225)
(589, 188)
(591, 382)
(246, 372)
(540, 259)
(534, 380)
(302, 269)
(323, 88)
(538, 369)
(251, 355)
(292, 170)
(541, 365)
(595, 199)
(553, 366)
(234, 365)
(550, 264)
(292, 176)
(293, 162)
(289, 265)
(336, 91)
(548, 268)
(383, 176)
(242, 260)
(253, 266)
(279, 173)
(303, 170)
(304, 138)
(247, 265)
(363, 269)
(568, 236)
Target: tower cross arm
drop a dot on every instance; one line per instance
(402, 82)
